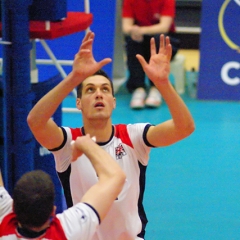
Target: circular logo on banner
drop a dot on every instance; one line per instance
(223, 33)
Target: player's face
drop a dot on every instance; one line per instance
(97, 101)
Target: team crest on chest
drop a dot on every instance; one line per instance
(119, 151)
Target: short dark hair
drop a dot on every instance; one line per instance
(33, 198)
(99, 72)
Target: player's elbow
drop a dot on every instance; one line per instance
(187, 130)
(30, 120)
(190, 127)
(34, 122)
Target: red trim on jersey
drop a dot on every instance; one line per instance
(122, 133)
(9, 225)
(76, 132)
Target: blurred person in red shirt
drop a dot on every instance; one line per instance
(142, 20)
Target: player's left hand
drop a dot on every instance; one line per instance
(158, 68)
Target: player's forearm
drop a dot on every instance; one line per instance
(154, 29)
(127, 25)
(48, 104)
(163, 26)
(181, 116)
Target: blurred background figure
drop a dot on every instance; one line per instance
(141, 20)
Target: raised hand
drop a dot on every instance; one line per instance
(84, 62)
(158, 68)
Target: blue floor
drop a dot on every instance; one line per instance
(193, 187)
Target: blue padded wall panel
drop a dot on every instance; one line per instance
(52, 10)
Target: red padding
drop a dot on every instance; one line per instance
(75, 22)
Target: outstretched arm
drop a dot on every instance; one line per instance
(111, 177)
(45, 130)
(158, 69)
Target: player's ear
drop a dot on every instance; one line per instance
(78, 104)
(114, 103)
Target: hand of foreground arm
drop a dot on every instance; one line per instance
(111, 177)
(45, 130)
(158, 69)
(79, 144)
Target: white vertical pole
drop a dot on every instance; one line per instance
(87, 10)
(86, 6)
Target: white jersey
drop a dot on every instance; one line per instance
(129, 147)
(76, 223)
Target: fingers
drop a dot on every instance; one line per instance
(164, 42)
(89, 35)
(167, 39)
(141, 60)
(87, 41)
(169, 51)
(152, 46)
(165, 46)
(86, 49)
(86, 44)
(161, 45)
(76, 146)
(104, 62)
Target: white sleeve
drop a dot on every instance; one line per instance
(79, 221)
(137, 133)
(63, 156)
(5, 203)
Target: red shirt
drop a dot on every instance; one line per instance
(148, 12)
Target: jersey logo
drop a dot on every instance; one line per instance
(119, 151)
(83, 215)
